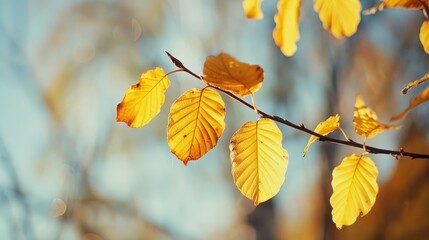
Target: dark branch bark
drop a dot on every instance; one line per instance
(374, 150)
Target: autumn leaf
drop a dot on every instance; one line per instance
(195, 123)
(143, 101)
(258, 159)
(226, 73)
(286, 32)
(424, 35)
(414, 102)
(415, 83)
(355, 189)
(366, 121)
(252, 9)
(411, 4)
(340, 17)
(324, 128)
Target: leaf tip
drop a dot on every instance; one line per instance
(252, 9)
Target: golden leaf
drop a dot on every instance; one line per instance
(406, 3)
(226, 73)
(258, 160)
(324, 128)
(355, 189)
(414, 102)
(415, 83)
(424, 35)
(411, 4)
(366, 121)
(252, 9)
(143, 101)
(340, 17)
(286, 33)
(195, 123)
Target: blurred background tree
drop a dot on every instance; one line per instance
(69, 171)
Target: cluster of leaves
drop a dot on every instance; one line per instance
(422, 5)
(339, 17)
(258, 159)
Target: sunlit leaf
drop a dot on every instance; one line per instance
(412, 4)
(286, 33)
(324, 128)
(225, 72)
(424, 35)
(366, 121)
(195, 123)
(258, 159)
(415, 83)
(252, 9)
(406, 3)
(340, 17)
(414, 102)
(355, 189)
(143, 101)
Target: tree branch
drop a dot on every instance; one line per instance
(373, 150)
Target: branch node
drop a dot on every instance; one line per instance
(364, 146)
(401, 151)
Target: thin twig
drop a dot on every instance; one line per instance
(21, 197)
(302, 128)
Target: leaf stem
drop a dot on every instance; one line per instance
(302, 128)
(254, 103)
(344, 134)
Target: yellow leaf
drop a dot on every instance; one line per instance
(406, 3)
(258, 159)
(415, 83)
(355, 188)
(414, 102)
(195, 123)
(340, 17)
(324, 128)
(411, 4)
(366, 121)
(143, 101)
(424, 35)
(252, 9)
(226, 73)
(286, 33)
